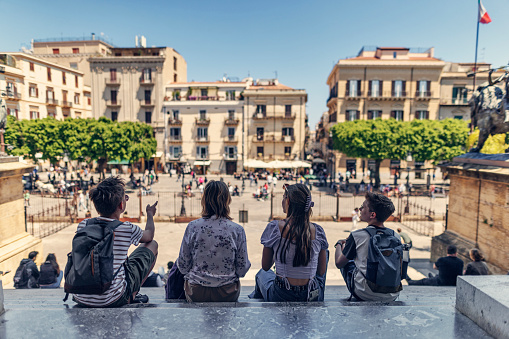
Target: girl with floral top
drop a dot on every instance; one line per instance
(299, 249)
(213, 253)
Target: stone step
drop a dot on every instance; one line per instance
(421, 311)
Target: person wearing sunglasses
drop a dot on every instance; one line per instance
(299, 250)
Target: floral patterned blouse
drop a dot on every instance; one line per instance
(213, 252)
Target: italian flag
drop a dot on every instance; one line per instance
(484, 18)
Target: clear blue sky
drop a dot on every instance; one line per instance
(299, 39)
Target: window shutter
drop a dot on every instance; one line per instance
(370, 89)
(37, 92)
(417, 115)
(197, 151)
(235, 150)
(380, 87)
(359, 93)
(403, 88)
(206, 151)
(428, 87)
(417, 88)
(347, 92)
(370, 115)
(358, 115)
(226, 150)
(392, 89)
(427, 115)
(403, 116)
(393, 114)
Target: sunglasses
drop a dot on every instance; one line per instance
(285, 187)
(126, 198)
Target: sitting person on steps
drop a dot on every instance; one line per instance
(51, 275)
(213, 253)
(449, 268)
(299, 249)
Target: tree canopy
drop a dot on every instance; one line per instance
(83, 139)
(378, 139)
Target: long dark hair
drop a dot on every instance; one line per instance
(297, 222)
(53, 260)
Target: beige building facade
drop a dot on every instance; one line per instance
(36, 88)
(129, 85)
(380, 82)
(72, 52)
(221, 126)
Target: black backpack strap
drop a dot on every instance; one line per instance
(112, 225)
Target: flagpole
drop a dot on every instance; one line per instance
(476, 42)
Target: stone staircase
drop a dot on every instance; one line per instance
(421, 311)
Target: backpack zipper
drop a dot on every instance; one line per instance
(92, 258)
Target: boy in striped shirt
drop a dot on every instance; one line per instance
(110, 200)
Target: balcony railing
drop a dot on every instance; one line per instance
(353, 96)
(202, 139)
(387, 95)
(174, 122)
(113, 103)
(146, 82)
(231, 138)
(202, 121)
(423, 95)
(258, 116)
(288, 138)
(454, 101)
(290, 116)
(13, 96)
(202, 157)
(175, 138)
(146, 103)
(112, 82)
(230, 156)
(201, 98)
(51, 102)
(67, 104)
(229, 121)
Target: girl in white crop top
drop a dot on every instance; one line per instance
(299, 250)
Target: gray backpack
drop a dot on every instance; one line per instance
(89, 268)
(385, 260)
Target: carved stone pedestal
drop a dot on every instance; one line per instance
(15, 242)
(478, 210)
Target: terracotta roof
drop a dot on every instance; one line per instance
(206, 82)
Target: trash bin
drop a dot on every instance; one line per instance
(243, 216)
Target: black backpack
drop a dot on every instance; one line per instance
(48, 274)
(21, 275)
(89, 268)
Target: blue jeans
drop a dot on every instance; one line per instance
(56, 284)
(267, 290)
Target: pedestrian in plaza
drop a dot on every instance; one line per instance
(370, 277)
(81, 201)
(449, 268)
(407, 245)
(298, 248)
(213, 275)
(51, 275)
(26, 197)
(131, 271)
(477, 266)
(355, 219)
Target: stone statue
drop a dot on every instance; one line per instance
(489, 110)
(3, 114)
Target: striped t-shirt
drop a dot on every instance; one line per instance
(125, 235)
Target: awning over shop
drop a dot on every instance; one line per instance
(253, 163)
(318, 161)
(300, 164)
(202, 163)
(157, 155)
(279, 164)
(116, 162)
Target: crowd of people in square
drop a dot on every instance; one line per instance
(213, 254)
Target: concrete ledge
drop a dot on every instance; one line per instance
(485, 300)
(2, 310)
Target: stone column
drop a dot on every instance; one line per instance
(15, 242)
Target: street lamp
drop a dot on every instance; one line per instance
(182, 169)
(407, 207)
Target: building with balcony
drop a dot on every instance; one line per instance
(37, 88)
(207, 116)
(380, 82)
(224, 124)
(456, 87)
(275, 121)
(129, 85)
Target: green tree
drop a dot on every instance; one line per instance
(372, 139)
